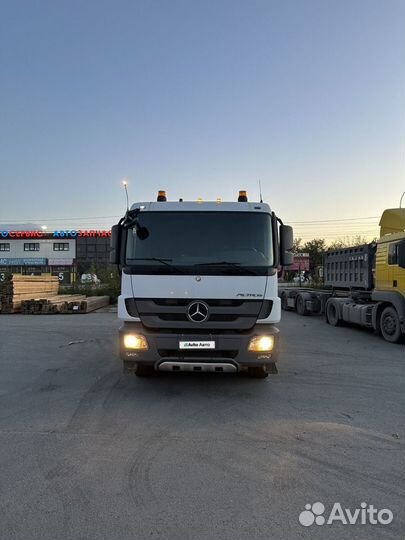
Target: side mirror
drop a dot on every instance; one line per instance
(401, 254)
(286, 245)
(115, 253)
(142, 232)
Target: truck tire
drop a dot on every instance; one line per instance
(144, 370)
(332, 314)
(300, 306)
(389, 325)
(284, 303)
(258, 372)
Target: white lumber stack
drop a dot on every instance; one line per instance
(16, 288)
(94, 302)
(40, 295)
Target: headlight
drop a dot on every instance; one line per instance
(135, 341)
(261, 344)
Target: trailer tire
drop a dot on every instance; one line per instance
(390, 326)
(284, 302)
(300, 306)
(332, 314)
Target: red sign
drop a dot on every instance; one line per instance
(301, 262)
(70, 233)
(21, 234)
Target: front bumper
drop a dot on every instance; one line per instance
(230, 348)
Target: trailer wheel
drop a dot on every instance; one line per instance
(332, 314)
(390, 326)
(300, 306)
(284, 303)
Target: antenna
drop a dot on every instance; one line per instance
(260, 190)
(125, 184)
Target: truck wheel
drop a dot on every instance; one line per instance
(300, 306)
(272, 369)
(284, 303)
(144, 370)
(258, 372)
(128, 367)
(332, 315)
(389, 325)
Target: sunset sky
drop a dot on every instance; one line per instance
(203, 99)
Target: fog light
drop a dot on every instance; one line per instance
(135, 341)
(261, 344)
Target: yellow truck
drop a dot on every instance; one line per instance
(366, 284)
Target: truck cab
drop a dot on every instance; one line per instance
(390, 271)
(199, 285)
(377, 295)
(389, 289)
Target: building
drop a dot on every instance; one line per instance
(66, 254)
(92, 253)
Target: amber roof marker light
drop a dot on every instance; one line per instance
(243, 196)
(161, 197)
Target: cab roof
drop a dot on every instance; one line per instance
(202, 206)
(392, 221)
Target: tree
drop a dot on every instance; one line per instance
(316, 249)
(348, 242)
(297, 247)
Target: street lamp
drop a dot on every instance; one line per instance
(125, 184)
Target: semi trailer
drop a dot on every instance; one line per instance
(364, 285)
(199, 285)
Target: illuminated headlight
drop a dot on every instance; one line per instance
(261, 344)
(135, 341)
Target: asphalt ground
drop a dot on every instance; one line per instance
(89, 453)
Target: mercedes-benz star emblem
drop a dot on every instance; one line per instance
(197, 312)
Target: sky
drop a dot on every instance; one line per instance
(203, 98)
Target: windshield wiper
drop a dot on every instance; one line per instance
(219, 263)
(163, 261)
(166, 262)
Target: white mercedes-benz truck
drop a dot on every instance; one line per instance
(199, 285)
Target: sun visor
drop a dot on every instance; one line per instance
(392, 221)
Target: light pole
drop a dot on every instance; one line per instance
(125, 184)
(400, 200)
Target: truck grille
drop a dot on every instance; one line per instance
(171, 313)
(176, 353)
(181, 317)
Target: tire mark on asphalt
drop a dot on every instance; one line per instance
(339, 471)
(139, 469)
(82, 418)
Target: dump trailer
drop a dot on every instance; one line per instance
(199, 285)
(364, 285)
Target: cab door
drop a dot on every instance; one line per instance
(396, 274)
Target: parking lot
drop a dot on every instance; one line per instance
(89, 453)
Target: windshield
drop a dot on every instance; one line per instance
(202, 242)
